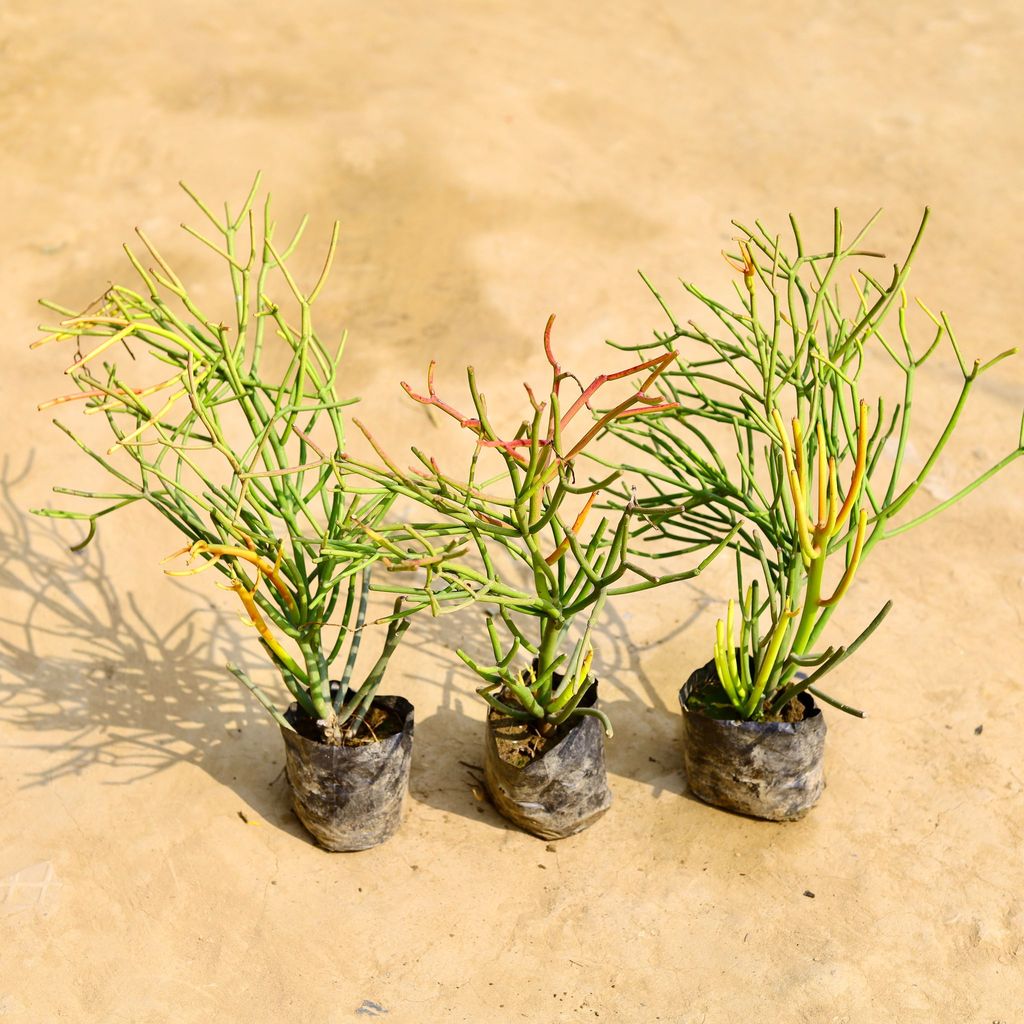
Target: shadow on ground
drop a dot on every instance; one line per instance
(96, 683)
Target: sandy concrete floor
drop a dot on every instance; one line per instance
(491, 164)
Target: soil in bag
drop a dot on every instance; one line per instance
(350, 797)
(553, 786)
(770, 769)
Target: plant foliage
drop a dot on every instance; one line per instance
(527, 518)
(810, 471)
(245, 460)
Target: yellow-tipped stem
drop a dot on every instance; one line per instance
(560, 551)
(730, 652)
(722, 663)
(858, 470)
(129, 439)
(801, 454)
(193, 570)
(787, 452)
(102, 347)
(262, 565)
(177, 554)
(803, 522)
(584, 669)
(796, 476)
(764, 670)
(858, 546)
(268, 638)
(833, 500)
(822, 480)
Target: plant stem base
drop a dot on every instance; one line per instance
(562, 791)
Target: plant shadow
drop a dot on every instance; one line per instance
(102, 685)
(447, 770)
(647, 743)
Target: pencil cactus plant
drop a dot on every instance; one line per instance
(247, 464)
(527, 517)
(806, 500)
(755, 674)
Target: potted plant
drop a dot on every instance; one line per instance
(249, 466)
(543, 571)
(811, 477)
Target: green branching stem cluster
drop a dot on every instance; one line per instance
(824, 489)
(247, 465)
(519, 516)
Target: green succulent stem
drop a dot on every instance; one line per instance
(245, 460)
(535, 512)
(806, 505)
